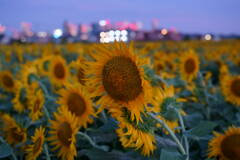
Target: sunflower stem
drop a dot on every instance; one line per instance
(92, 142)
(12, 153)
(208, 111)
(47, 95)
(46, 113)
(183, 130)
(104, 116)
(182, 150)
(46, 151)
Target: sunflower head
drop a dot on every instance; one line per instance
(63, 131)
(119, 78)
(76, 99)
(58, 70)
(135, 135)
(231, 89)
(35, 149)
(226, 146)
(189, 66)
(13, 133)
(7, 81)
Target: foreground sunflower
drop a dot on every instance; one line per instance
(7, 81)
(63, 131)
(189, 66)
(139, 136)
(230, 86)
(58, 70)
(118, 78)
(226, 146)
(75, 99)
(79, 71)
(35, 149)
(13, 133)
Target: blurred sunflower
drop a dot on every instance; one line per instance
(79, 68)
(189, 66)
(7, 81)
(35, 149)
(20, 100)
(132, 134)
(43, 64)
(58, 70)
(13, 133)
(28, 71)
(36, 102)
(75, 99)
(118, 78)
(230, 86)
(63, 131)
(225, 146)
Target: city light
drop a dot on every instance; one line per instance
(111, 36)
(102, 22)
(208, 37)
(42, 34)
(57, 33)
(164, 31)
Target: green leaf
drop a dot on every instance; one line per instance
(5, 150)
(170, 155)
(202, 129)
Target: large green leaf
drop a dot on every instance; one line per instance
(170, 155)
(5, 150)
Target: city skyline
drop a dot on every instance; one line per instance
(185, 16)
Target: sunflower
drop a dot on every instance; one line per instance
(225, 146)
(139, 136)
(230, 86)
(7, 81)
(189, 66)
(35, 149)
(160, 107)
(42, 64)
(58, 70)
(79, 68)
(75, 99)
(36, 102)
(63, 131)
(118, 78)
(13, 133)
(28, 71)
(20, 100)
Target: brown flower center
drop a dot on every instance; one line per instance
(159, 67)
(190, 66)
(64, 133)
(59, 71)
(121, 79)
(17, 136)
(36, 106)
(235, 87)
(8, 81)
(230, 147)
(37, 145)
(80, 76)
(76, 104)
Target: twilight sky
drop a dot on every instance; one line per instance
(217, 16)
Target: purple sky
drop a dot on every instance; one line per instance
(217, 16)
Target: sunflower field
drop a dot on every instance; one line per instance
(144, 100)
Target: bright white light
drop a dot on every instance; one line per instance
(164, 31)
(117, 33)
(117, 39)
(57, 33)
(106, 40)
(124, 38)
(102, 34)
(124, 32)
(207, 37)
(102, 40)
(111, 33)
(102, 22)
(42, 34)
(111, 39)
